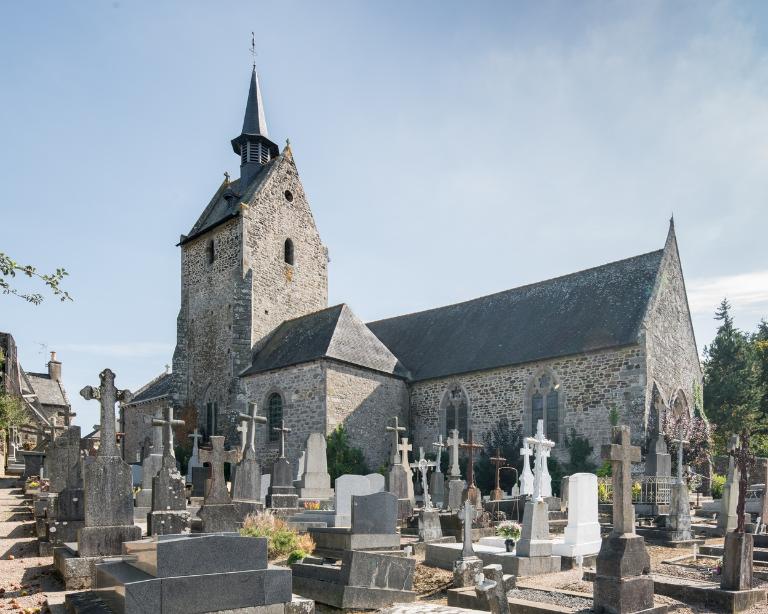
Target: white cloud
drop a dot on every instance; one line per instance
(137, 349)
(745, 291)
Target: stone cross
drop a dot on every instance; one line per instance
(439, 445)
(404, 448)
(243, 430)
(498, 461)
(471, 446)
(542, 444)
(424, 466)
(217, 456)
(454, 442)
(526, 478)
(283, 430)
(195, 437)
(468, 513)
(395, 430)
(680, 441)
(167, 425)
(252, 420)
(108, 395)
(621, 454)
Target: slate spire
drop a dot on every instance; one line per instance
(253, 145)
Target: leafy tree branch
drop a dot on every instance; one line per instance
(9, 269)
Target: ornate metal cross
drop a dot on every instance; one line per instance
(424, 466)
(621, 454)
(542, 445)
(108, 395)
(499, 462)
(167, 425)
(252, 420)
(283, 430)
(217, 456)
(454, 442)
(396, 437)
(471, 446)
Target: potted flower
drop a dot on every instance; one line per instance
(510, 531)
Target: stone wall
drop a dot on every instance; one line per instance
(591, 383)
(673, 361)
(136, 425)
(303, 390)
(365, 401)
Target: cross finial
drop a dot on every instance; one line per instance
(226, 177)
(253, 49)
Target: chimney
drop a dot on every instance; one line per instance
(54, 368)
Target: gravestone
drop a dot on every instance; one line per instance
(348, 486)
(437, 479)
(374, 514)
(658, 463)
(492, 590)
(376, 482)
(315, 483)
(622, 582)
(66, 480)
(151, 464)
(680, 507)
(430, 528)
(301, 466)
(727, 519)
(218, 513)
(107, 483)
(194, 460)
(200, 477)
(282, 496)
(191, 574)
(468, 565)
(455, 483)
(246, 492)
(169, 513)
(534, 550)
(526, 477)
(266, 482)
(582, 534)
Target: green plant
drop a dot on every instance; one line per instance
(605, 470)
(8, 270)
(342, 456)
(718, 483)
(33, 484)
(507, 439)
(12, 412)
(509, 530)
(281, 539)
(580, 452)
(636, 490)
(614, 416)
(296, 555)
(603, 496)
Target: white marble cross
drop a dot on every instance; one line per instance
(395, 430)
(194, 460)
(542, 445)
(424, 466)
(243, 430)
(526, 477)
(404, 448)
(453, 442)
(439, 445)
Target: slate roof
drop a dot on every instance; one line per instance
(334, 333)
(48, 391)
(593, 309)
(158, 387)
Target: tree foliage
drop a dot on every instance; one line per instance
(507, 440)
(580, 451)
(694, 430)
(342, 456)
(9, 269)
(12, 412)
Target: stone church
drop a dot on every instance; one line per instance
(255, 325)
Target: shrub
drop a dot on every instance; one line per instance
(614, 416)
(506, 438)
(605, 470)
(718, 482)
(282, 540)
(580, 451)
(296, 556)
(636, 490)
(602, 493)
(342, 457)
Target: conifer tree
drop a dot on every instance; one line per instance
(731, 398)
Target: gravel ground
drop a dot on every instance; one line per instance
(566, 601)
(26, 580)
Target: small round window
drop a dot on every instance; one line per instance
(288, 196)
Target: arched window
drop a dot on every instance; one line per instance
(545, 403)
(274, 415)
(210, 251)
(288, 251)
(454, 410)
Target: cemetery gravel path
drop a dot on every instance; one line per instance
(27, 582)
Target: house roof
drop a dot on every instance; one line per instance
(335, 333)
(157, 388)
(593, 309)
(48, 391)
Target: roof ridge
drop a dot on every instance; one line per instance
(522, 287)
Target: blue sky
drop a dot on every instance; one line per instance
(449, 150)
